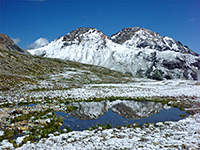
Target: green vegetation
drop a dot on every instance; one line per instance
(128, 125)
(71, 108)
(103, 127)
(8, 134)
(35, 114)
(36, 132)
(183, 115)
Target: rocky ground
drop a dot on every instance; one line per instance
(30, 93)
(168, 135)
(32, 122)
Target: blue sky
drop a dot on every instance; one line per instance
(26, 21)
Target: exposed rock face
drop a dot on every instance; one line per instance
(136, 51)
(7, 44)
(77, 36)
(144, 38)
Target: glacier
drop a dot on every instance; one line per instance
(135, 51)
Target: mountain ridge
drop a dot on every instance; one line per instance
(150, 38)
(136, 51)
(7, 43)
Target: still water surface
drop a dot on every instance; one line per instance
(117, 113)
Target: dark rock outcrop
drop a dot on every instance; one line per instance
(7, 43)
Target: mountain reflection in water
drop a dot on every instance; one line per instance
(117, 113)
(127, 109)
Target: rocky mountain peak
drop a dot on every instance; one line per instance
(7, 43)
(136, 37)
(82, 34)
(127, 33)
(78, 33)
(75, 33)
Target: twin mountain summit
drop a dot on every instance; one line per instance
(135, 51)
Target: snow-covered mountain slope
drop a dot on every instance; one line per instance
(144, 38)
(135, 51)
